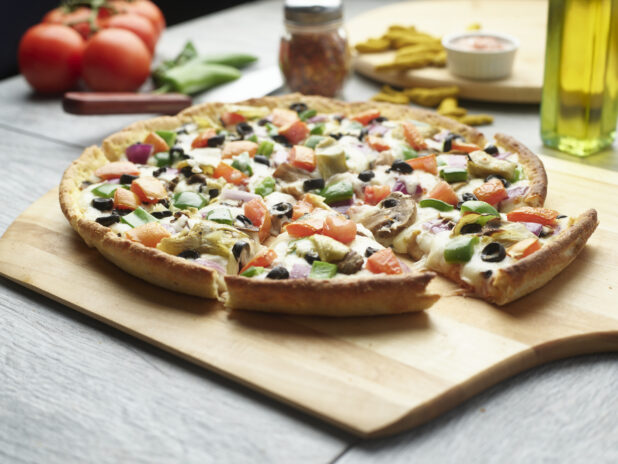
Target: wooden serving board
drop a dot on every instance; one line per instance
(374, 375)
(524, 19)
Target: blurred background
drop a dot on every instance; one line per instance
(16, 18)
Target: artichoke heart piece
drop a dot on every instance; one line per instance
(207, 237)
(482, 164)
(330, 158)
(329, 249)
(510, 233)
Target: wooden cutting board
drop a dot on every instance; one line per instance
(372, 376)
(524, 19)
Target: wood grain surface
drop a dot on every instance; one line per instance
(524, 19)
(370, 376)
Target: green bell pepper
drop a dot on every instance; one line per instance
(480, 207)
(307, 114)
(184, 200)
(266, 187)
(253, 139)
(322, 270)
(163, 159)
(221, 215)
(318, 129)
(266, 148)
(313, 141)
(138, 217)
(435, 204)
(243, 163)
(253, 271)
(196, 76)
(337, 192)
(460, 249)
(409, 153)
(454, 174)
(107, 190)
(168, 136)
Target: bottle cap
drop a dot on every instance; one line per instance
(316, 12)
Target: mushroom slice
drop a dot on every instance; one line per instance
(482, 164)
(393, 214)
(288, 173)
(351, 263)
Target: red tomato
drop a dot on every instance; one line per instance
(413, 136)
(366, 116)
(238, 147)
(263, 259)
(443, 191)
(301, 208)
(142, 8)
(50, 57)
(295, 132)
(384, 262)
(377, 143)
(125, 199)
(148, 234)
(374, 194)
(544, 216)
(157, 142)
(139, 25)
(229, 173)
(116, 169)
(258, 214)
(339, 228)
(201, 140)
(305, 227)
(492, 192)
(115, 60)
(425, 163)
(149, 189)
(79, 19)
(229, 119)
(281, 117)
(302, 157)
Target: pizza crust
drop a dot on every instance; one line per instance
(362, 296)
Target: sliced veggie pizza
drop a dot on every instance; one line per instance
(306, 205)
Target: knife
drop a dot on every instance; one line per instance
(250, 85)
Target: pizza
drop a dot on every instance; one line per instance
(308, 205)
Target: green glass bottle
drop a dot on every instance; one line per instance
(579, 108)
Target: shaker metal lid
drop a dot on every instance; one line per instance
(313, 11)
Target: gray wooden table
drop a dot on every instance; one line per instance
(75, 390)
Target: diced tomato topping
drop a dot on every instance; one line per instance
(302, 157)
(149, 234)
(524, 248)
(544, 216)
(443, 191)
(413, 136)
(258, 214)
(366, 116)
(301, 208)
(295, 132)
(492, 192)
(229, 119)
(157, 142)
(425, 163)
(116, 169)
(374, 194)
(340, 228)
(384, 262)
(305, 227)
(235, 148)
(125, 199)
(377, 143)
(201, 140)
(281, 117)
(263, 259)
(464, 147)
(229, 173)
(149, 189)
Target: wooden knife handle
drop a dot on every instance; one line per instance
(124, 103)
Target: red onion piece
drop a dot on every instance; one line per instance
(404, 266)
(318, 118)
(139, 153)
(114, 181)
(210, 264)
(457, 161)
(377, 129)
(300, 270)
(342, 206)
(503, 155)
(435, 226)
(533, 227)
(238, 195)
(400, 187)
(518, 191)
(172, 171)
(279, 157)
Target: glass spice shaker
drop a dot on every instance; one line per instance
(314, 55)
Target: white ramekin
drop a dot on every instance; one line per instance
(480, 64)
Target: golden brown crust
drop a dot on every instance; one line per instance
(534, 271)
(360, 296)
(533, 167)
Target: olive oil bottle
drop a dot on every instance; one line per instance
(579, 108)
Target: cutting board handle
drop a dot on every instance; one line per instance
(124, 103)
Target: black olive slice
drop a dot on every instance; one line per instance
(389, 203)
(197, 179)
(505, 182)
(402, 167)
(244, 220)
(108, 220)
(493, 253)
(102, 204)
(487, 274)
(122, 212)
(161, 214)
(311, 257)
(337, 135)
(216, 140)
(471, 229)
(127, 178)
(448, 142)
(177, 152)
(263, 122)
(282, 140)
(213, 193)
(313, 184)
(262, 160)
(158, 172)
(299, 107)
(366, 176)
(187, 171)
(491, 149)
(278, 273)
(189, 254)
(469, 197)
(244, 129)
(282, 209)
(239, 248)
(364, 131)
(369, 251)
(561, 216)
(380, 119)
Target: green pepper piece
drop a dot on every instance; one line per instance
(184, 200)
(322, 270)
(266, 148)
(221, 215)
(138, 217)
(107, 190)
(304, 115)
(517, 175)
(271, 129)
(163, 159)
(460, 249)
(338, 192)
(188, 53)
(236, 60)
(253, 138)
(313, 141)
(454, 174)
(409, 153)
(196, 76)
(168, 136)
(243, 163)
(435, 204)
(253, 271)
(317, 130)
(480, 207)
(266, 187)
